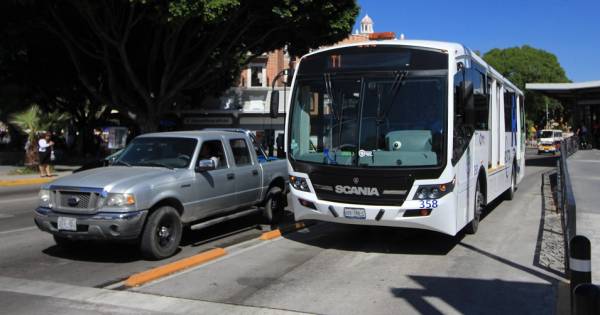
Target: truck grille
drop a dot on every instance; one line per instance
(75, 200)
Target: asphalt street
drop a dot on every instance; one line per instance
(326, 268)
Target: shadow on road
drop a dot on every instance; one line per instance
(476, 296)
(541, 160)
(219, 235)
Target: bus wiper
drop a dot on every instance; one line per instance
(329, 91)
(398, 80)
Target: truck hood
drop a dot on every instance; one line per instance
(114, 178)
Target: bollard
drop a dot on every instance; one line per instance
(580, 264)
(586, 299)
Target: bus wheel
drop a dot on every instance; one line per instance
(478, 210)
(510, 193)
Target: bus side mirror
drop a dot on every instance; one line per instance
(274, 110)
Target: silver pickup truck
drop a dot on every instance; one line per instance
(161, 183)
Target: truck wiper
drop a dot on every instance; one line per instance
(155, 164)
(122, 162)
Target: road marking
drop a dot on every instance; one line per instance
(18, 199)
(165, 270)
(129, 300)
(18, 230)
(5, 216)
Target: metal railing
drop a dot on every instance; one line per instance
(585, 296)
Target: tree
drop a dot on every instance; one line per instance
(526, 64)
(32, 122)
(144, 55)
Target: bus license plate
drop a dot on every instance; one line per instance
(67, 224)
(355, 213)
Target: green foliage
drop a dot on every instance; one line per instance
(33, 121)
(526, 64)
(144, 56)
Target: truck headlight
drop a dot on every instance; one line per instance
(45, 200)
(119, 200)
(433, 191)
(299, 183)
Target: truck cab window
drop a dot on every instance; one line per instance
(213, 150)
(240, 152)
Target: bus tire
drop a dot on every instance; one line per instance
(273, 206)
(477, 211)
(162, 234)
(510, 192)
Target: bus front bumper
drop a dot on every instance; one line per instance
(441, 218)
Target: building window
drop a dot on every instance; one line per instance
(257, 76)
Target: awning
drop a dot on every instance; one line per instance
(581, 93)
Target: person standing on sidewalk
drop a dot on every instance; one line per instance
(44, 151)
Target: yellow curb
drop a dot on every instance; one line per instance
(25, 181)
(278, 232)
(270, 235)
(165, 270)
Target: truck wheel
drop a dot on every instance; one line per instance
(273, 207)
(162, 233)
(478, 210)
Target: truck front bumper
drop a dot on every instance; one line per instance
(98, 226)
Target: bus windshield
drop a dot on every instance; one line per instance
(393, 118)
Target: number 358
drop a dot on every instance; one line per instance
(428, 204)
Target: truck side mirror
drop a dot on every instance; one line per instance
(274, 109)
(205, 165)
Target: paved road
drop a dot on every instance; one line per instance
(332, 269)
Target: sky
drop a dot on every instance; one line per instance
(570, 29)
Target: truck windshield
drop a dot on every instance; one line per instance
(158, 152)
(546, 134)
(370, 121)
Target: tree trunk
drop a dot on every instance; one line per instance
(31, 154)
(148, 122)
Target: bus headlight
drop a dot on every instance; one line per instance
(433, 191)
(299, 183)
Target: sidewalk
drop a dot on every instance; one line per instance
(584, 169)
(31, 179)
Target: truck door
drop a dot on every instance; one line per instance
(247, 173)
(214, 189)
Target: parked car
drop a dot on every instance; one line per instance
(549, 141)
(160, 183)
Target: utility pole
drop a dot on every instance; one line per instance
(547, 121)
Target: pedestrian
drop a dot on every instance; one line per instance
(45, 146)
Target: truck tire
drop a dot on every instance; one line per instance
(162, 234)
(477, 209)
(273, 206)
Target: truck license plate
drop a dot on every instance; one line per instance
(355, 213)
(67, 224)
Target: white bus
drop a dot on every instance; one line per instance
(402, 133)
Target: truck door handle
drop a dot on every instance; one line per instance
(230, 176)
(254, 172)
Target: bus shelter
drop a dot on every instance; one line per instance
(582, 99)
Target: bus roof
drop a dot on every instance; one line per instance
(458, 49)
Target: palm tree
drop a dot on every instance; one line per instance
(32, 122)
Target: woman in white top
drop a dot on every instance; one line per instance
(44, 151)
